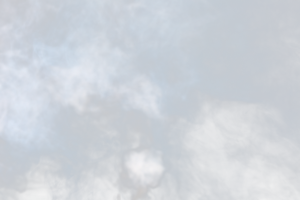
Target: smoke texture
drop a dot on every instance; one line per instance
(135, 99)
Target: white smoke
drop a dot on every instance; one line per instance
(102, 58)
(144, 168)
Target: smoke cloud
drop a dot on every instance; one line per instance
(161, 99)
(144, 168)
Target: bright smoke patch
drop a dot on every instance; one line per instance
(143, 169)
(136, 99)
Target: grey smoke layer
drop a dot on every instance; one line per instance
(160, 99)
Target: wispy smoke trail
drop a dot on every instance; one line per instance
(111, 90)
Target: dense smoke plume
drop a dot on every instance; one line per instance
(136, 99)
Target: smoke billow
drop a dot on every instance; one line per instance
(137, 99)
(141, 173)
